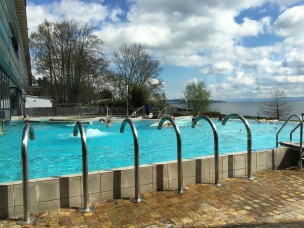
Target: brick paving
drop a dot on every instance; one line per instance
(274, 199)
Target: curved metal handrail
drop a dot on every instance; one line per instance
(216, 147)
(301, 134)
(108, 111)
(296, 127)
(137, 197)
(179, 152)
(136, 111)
(1, 126)
(85, 169)
(301, 123)
(249, 141)
(162, 111)
(27, 131)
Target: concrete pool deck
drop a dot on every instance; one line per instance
(274, 199)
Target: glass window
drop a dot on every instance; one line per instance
(4, 91)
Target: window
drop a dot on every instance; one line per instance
(4, 91)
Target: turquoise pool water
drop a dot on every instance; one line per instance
(56, 152)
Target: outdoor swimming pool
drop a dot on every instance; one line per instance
(56, 152)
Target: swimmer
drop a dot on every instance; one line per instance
(167, 124)
(109, 122)
(102, 120)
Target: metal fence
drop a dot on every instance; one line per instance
(93, 111)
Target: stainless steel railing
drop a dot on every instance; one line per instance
(296, 127)
(249, 142)
(301, 134)
(134, 113)
(180, 188)
(138, 198)
(1, 126)
(85, 170)
(216, 146)
(28, 219)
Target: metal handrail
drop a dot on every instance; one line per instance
(28, 219)
(108, 111)
(85, 169)
(1, 126)
(301, 123)
(180, 188)
(162, 111)
(249, 142)
(301, 134)
(216, 147)
(137, 197)
(290, 135)
(136, 111)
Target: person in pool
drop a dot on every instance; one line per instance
(109, 122)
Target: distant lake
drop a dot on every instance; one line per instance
(246, 108)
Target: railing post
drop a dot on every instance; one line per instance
(85, 169)
(249, 143)
(301, 134)
(180, 188)
(216, 150)
(28, 219)
(138, 198)
(1, 126)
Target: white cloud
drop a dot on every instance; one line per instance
(290, 79)
(241, 79)
(199, 34)
(91, 12)
(153, 81)
(291, 22)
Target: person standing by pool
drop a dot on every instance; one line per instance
(148, 109)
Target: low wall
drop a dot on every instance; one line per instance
(66, 191)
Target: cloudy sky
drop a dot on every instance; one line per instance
(239, 48)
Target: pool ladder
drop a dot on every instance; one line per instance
(28, 219)
(291, 144)
(138, 198)
(85, 170)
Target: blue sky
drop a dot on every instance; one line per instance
(240, 49)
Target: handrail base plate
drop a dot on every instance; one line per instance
(250, 178)
(181, 191)
(137, 200)
(23, 222)
(86, 210)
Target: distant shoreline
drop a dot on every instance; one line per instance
(250, 109)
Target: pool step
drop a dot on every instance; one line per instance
(291, 144)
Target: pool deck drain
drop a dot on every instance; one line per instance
(274, 199)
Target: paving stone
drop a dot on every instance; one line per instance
(274, 199)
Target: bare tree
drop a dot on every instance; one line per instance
(64, 53)
(96, 80)
(277, 106)
(134, 66)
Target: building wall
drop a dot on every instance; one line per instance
(14, 64)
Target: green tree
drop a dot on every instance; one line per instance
(277, 106)
(138, 96)
(197, 97)
(66, 53)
